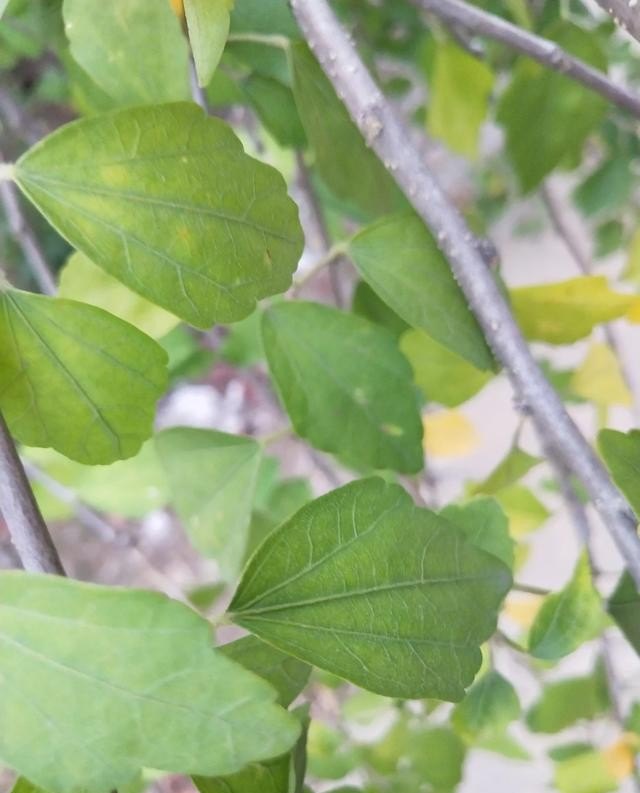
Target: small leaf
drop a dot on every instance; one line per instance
(286, 674)
(566, 311)
(490, 705)
(419, 286)
(75, 378)
(212, 477)
(458, 97)
(345, 385)
(118, 680)
(334, 587)
(523, 508)
(448, 433)
(344, 161)
(567, 701)
(441, 375)
(586, 772)
(621, 452)
(568, 618)
(208, 25)
(485, 525)
(81, 279)
(144, 193)
(600, 378)
(514, 466)
(133, 49)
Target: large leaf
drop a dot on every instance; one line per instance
(567, 618)
(212, 477)
(441, 375)
(75, 378)
(564, 702)
(400, 260)
(344, 161)
(621, 452)
(165, 199)
(335, 586)
(566, 311)
(458, 97)
(133, 49)
(547, 116)
(115, 680)
(286, 674)
(485, 525)
(208, 24)
(345, 385)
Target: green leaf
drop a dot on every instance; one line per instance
(547, 116)
(621, 452)
(624, 608)
(81, 279)
(286, 674)
(441, 375)
(274, 103)
(485, 525)
(115, 680)
(144, 193)
(523, 508)
(24, 786)
(208, 25)
(490, 705)
(514, 466)
(264, 16)
(212, 477)
(345, 385)
(343, 160)
(133, 49)
(3, 8)
(566, 311)
(567, 618)
(75, 378)
(568, 701)
(607, 188)
(367, 304)
(458, 97)
(335, 587)
(587, 772)
(400, 260)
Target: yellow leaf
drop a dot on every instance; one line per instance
(178, 7)
(448, 434)
(619, 758)
(599, 378)
(633, 314)
(522, 609)
(563, 312)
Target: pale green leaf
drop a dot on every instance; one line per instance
(567, 701)
(347, 165)
(212, 477)
(490, 705)
(523, 508)
(546, 115)
(621, 452)
(566, 311)
(458, 97)
(441, 375)
(286, 674)
(75, 378)
(133, 49)
(81, 279)
(3, 8)
(400, 260)
(567, 618)
(334, 586)
(600, 378)
(586, 772)
(345, 385)
(485, 525)
(146, 194)
(514, 466)
(99, 682)
(24, 786)
(208, 25)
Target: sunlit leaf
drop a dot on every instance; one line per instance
(514, 466)
(523, 508)
(600, 378)
(208, 25)
(448, 434)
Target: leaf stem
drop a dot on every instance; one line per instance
(334, 253)
(530, 589)
(29, 532)
(388, 137)
(269, 40)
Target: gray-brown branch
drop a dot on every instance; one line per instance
(390, 140)
(626, 13)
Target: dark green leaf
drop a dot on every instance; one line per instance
(624, 608)
(621, 452)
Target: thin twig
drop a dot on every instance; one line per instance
(24, 236)
(390, 140)
(548, 53)
(329, 258)
(626, 13)
(29, 532)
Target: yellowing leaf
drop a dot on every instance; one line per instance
(619, 758)
(449, 434)
(523, 609)
(633, 314)
(178, 7)
(563, 312)
(632, 268)
(599, 378)
(524, 510)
